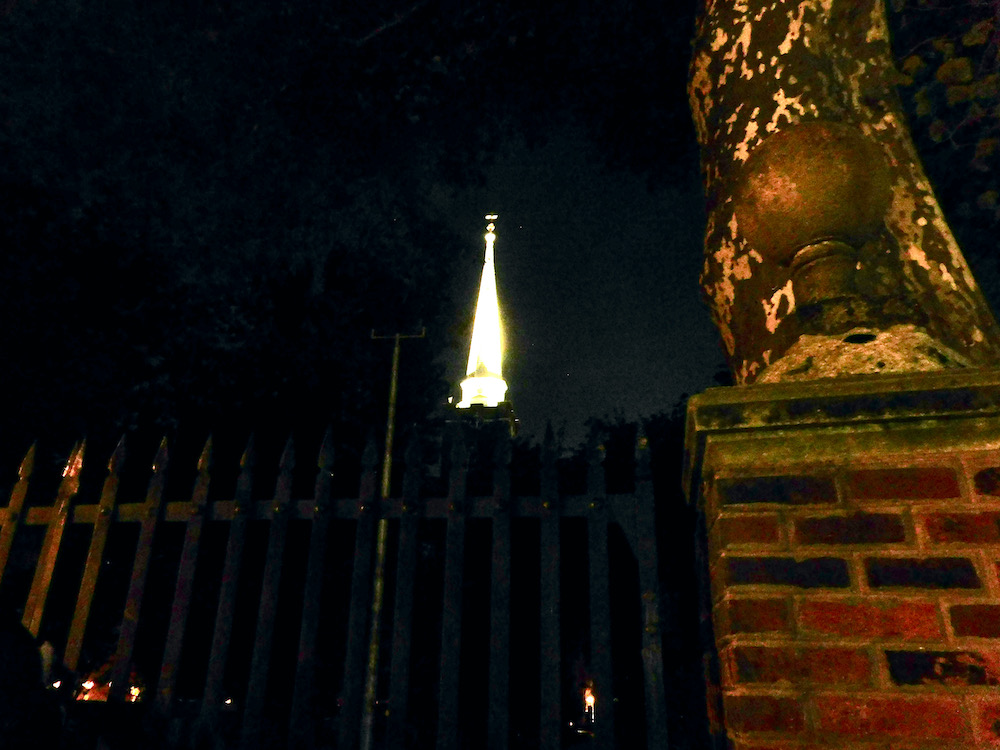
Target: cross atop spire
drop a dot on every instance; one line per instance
(484, 383)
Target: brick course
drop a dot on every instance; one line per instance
(856, 575)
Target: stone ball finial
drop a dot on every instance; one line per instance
(811, 182)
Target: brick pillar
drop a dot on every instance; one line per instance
(853, 531)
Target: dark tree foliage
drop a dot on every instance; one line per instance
(949, 59)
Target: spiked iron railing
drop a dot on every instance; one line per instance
(308, 723)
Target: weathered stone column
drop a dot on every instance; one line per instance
(849, 489)
(822, 225)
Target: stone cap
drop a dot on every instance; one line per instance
(835, 402)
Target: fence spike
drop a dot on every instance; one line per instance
(249, 454)
(287, 463)
(205, 459)
(160, 461)
(75, 462)
(27, 463)
(325, 460)
(117, 456)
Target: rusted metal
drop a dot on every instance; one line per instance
(302, 726)
(34, 608)
(550, 553)
(402, 628)
(354, 669)
(600, 602)
(181, 604)
(95, 555)
(137, 586)
(15, 508)
(212, 698)
(268, 607)
(451, 615)
(632, 511)
(498, 727)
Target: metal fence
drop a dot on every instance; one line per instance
(426, 686)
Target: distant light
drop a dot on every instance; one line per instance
(89, 685)
(57, 684)
(228, 701)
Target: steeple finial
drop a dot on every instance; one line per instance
(484, 383)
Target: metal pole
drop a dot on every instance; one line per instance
(382, 534)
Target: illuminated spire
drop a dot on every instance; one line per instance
(484, 383)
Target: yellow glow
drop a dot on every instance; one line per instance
(89, 685)
(133, 693)
(484, 383)
(590, 704)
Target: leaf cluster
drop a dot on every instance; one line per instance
(949, 57)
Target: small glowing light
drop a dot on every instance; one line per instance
(57, 684)
(590, 704)
(228, 701)
(89, 685)
(133, 693)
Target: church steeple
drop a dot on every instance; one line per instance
(484, 384)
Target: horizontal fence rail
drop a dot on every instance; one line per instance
(281, 551)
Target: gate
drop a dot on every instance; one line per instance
(581, 652)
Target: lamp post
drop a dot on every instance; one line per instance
(382, 534)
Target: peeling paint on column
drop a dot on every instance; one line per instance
(826, 60)
(773, 311)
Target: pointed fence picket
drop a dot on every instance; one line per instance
(309, 721)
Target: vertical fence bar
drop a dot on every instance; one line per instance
(212, 696)
(302, 726)
(600, 604)
(137, 586)
(181, 603)
(550, 672)
(649, 587)
(402, 627)
(34, 608)
(268, 607)
(95, 554)
(498, 730)
(15, 507)
(451, 616)
(354, 668)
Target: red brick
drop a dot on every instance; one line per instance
(937, 717)
(903, 484)
(798, 665)
(924, 573)
(756, 529)
(785, 490)
(987, 481)
(986, 719)
(754, 616)
(881, 618)
(859, 528)
(762, 713)
(980, 620)
(963, 527)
